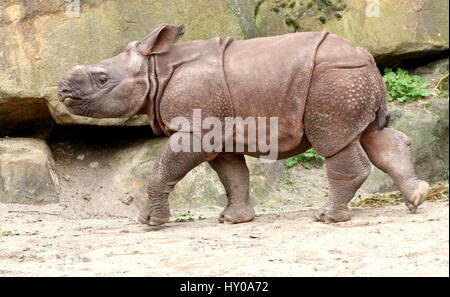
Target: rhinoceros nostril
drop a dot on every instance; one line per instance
(64, 91)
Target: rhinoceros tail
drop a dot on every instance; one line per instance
(382, 116)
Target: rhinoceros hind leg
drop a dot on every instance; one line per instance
(390, 151)
(234, 175)
(346, 172)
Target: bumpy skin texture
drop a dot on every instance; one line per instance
(345, 96)
(325, 92)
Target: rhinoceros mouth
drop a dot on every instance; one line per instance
(67, 93)
(67, 100)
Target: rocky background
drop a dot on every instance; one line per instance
(99, 167)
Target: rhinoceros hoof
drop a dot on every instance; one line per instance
(237, 214)
(418, 197)
(330, 215)
(145, 217)
(153, 221)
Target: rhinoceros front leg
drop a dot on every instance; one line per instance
(233, 173)
(169, 168)
(346, 172)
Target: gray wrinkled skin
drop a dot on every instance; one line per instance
(115, 87)
(326, 93)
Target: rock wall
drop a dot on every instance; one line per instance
(392, 31)
(40, 41)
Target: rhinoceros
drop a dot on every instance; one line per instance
(325, 93)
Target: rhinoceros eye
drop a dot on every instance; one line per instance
(101, 80)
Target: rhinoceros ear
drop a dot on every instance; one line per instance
(161, 39)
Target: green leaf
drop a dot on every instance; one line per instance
(403, 87)
(306, 159)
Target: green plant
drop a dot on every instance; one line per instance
(306, 159)
(10, 233)
(445, 173)
(184, 217)
(403, 87)
(258, 5)
(292, 11)
(187, 216)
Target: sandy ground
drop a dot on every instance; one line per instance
(384, 241)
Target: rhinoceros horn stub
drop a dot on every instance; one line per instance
(160, 40)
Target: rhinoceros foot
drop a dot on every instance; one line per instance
(153, 216)
(153, 221)
(418, 197)
(328, 214)
(237, 214)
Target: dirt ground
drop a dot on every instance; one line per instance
(386, 241)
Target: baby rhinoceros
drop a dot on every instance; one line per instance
(324, 92)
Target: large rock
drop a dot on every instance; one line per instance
(391, 30)
(27, 172)
(41, 40)
(436, 73)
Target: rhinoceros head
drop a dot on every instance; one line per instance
(118, 86)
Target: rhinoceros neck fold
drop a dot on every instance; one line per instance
(151, 100)
(191, 76)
